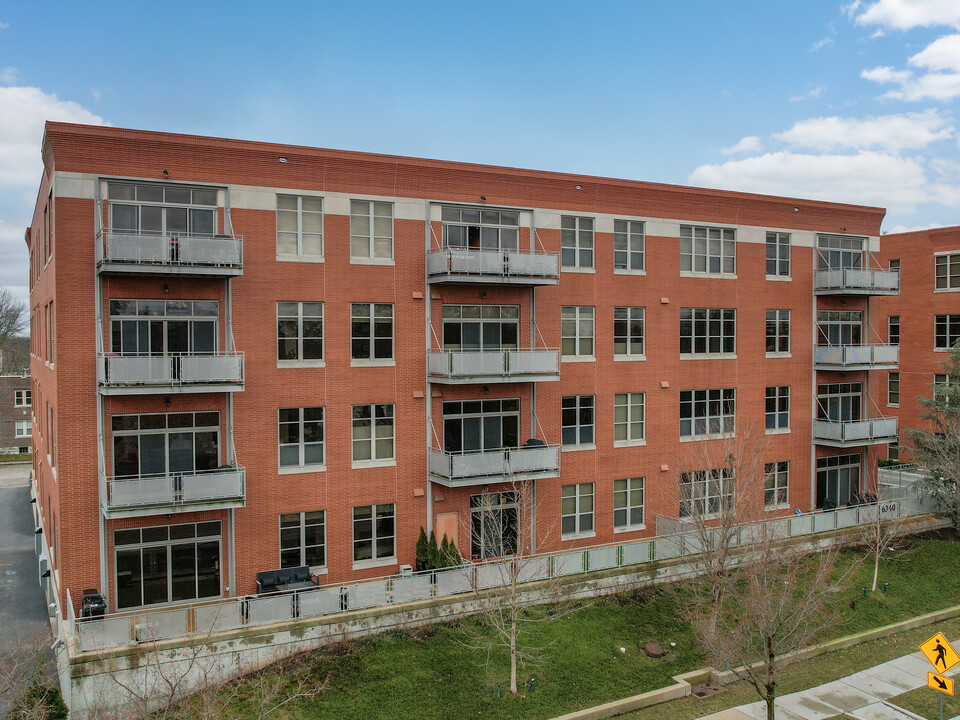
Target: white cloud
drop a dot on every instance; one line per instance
(749, 144)
(819, 44)
(4, 26)
(897, 183)
(910, 228)
(907, 14)
(9, 75)
(95, 92)
(889, 133)
(23, 111)
(13, 269)
(886, 74)
(814, 93)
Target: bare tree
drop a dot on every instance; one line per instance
(27, 689)
(881, 536)
(13, 314)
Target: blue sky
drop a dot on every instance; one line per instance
(849, 102)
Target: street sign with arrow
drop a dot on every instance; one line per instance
(939, 682)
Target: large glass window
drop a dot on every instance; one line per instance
(705, 413)
(163, 327)
(162, 209)
(576, 242)
(628, 245)
(576, 331)
(893, 329)
(576, 509)
(778, 331)
(299, 226)
(371, 230)
(301, 436)
(299, 331)
(480, 327)
(494, 518)
(373, 432)
(303, 539)
(576, 419)
(628, 331)
(708, 249)
(778, 254)
(839, 402)
(167, 563)
(838, 480)
(628, 504)
(475, 425)
(839, 327)
(893, 389)
(628, 418)
(704, 493)
(778, 407)
(371, 331)
(374, 532)
(165, 444)
(946, 331)
(776, 484)
(838, 252)
(476, 229)
(708, 331)
(947, 271)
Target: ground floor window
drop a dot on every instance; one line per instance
(628, 504)
(838, 480)
(576, 509)
(776, 484)
(303, 539)
(494, 518)
(374, 532)
(705, 493)
(167, 563)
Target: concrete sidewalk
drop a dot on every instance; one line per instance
(863, 695)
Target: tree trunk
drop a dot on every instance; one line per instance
(769, 701)
(876, 567)
(513, 656)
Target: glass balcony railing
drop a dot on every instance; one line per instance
(489, 366)
(493, 266)
(132, 374)
(169, 253)
(854, 281)
(856, 357)
(173, 492)
(492, 466)
(850, 433)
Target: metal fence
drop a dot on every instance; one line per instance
(125, 628)
(884, 281)
(506, 263)
(115, 370)
(170, 248)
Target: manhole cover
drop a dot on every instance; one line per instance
(705, 689)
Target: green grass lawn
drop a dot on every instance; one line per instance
(431, 673)
(925, 703)
(16, 457)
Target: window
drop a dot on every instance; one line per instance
(371, 230)
(838, 252)
(946, 331)
(576, 331)
(22, 429)
(372, 433)
(893, 330)
(303, 539)
(895, 265)
(704, 493)
(708, 331)
(839, 402)
(164, 327)
(299, 226)
(838, 480)
(628, 504)
(371, 331)
(301, 437)
(21, 398)
(167, 563)
(476, 425)
(576, 509)
(165, 444)
(778, 407)
(893, 450)
(628, 331)
(708, 249)
(628, 418)
(481, 327)
(947, 271)
(576, 420)
(778, 254)
(576, 242)
(893, 389)
(299, 331)
(162, 209)
(48, 227)
(52, 437)
(476, 229)
(494, 522)
(941, 384)
(778, 331)
(705, 413)
(628, 245)
(839, 327)
(374, 532)
(776, 483)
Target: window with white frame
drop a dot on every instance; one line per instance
(371, 331)
(21, 398)
(628, 418)
(299, 226)
(946, 331)
(374, 532)
(893, 389)
(628, 245)
(22, 429)
(778, 407)
(776, 484)
(576, 331)
(708, 331)
(299, 331)
(628, 331)
(778, 254)
(893, 329)
(576, 242)
(839, 252)
(895, 265)
(628, 504)
(466, 228)
(303, 539)
(941, 383)
(893, 450)
(373, 433)
(155, 209)
(371, 230)
(778, 331)
(301, 437)
(576, 420)
(706, 493)
(839, 327)
(576, 509)
(706, 413)
(947, 271)
(164, 327)
(710, 250)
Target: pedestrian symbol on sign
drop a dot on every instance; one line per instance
(940, 654)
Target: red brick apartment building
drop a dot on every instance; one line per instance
(250, 356)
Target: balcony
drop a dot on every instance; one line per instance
(170, 254)
(849, 281)
(493, 366)
(494, 466)
(224, 487)
(852, 433)
(856, 357)
(144, 374)
(492, 266)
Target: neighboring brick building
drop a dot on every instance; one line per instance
(244, 409)
(16, 425)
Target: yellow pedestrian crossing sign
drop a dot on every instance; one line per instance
(939, 682)
(940, 654)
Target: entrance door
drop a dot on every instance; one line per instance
(494, 518)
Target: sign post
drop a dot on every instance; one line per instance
(943, 657)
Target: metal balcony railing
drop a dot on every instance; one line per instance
(127, 251)
(142, 372)
(465, 366)
(222, 487)
(850, 433)
(490, 466)
(851, 281)
(493, 266)
(855, 357)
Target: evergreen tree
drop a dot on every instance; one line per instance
(444, 552)
(433, 551)
(422, 547)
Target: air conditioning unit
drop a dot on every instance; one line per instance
(406, 570)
